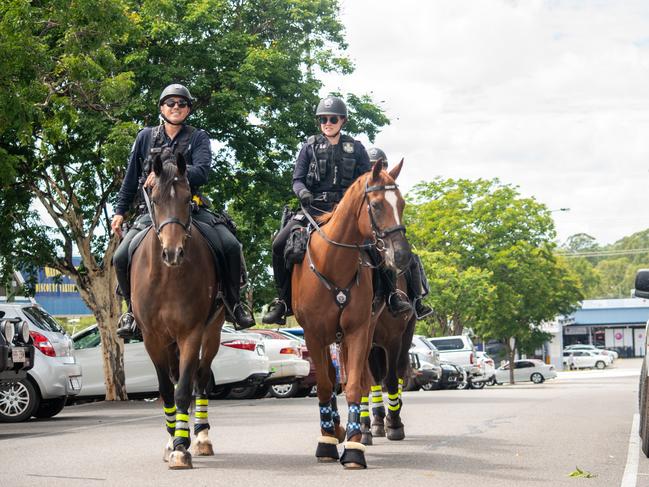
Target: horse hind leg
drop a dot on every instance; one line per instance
(202, 444)
(378, 412)
(393, 426)
(366, 431)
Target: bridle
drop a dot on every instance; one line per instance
(187, 227)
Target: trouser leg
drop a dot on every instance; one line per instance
(120, 258)
(418, 286)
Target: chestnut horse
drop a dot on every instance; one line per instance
(333, 293)
(174, 291)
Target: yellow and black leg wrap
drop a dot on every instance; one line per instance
(366, 433)
(400, 386)
(181, 434)
(393, 426)
(378, 410)
(200, 414)
(170, 419)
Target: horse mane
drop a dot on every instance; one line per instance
(168, 174)
(356, 187)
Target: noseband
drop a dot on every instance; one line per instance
(187, 227)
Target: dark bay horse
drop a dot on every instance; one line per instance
(174, 289)
(333, 293)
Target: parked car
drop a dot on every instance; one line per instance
(452, 377)
(301, 387)
(526, 370)
(428, 371)
(582, 359)
(642, 291)
(241, 360)
(459, 349)
(286, 364)
(614, 355)
(55, 374)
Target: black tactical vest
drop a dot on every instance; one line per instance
(180, 145)
(333, 166)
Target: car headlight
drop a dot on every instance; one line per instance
(8, 330)
(24, 332)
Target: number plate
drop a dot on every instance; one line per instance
(18, 354)
(75, 383)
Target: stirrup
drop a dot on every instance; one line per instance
(249, 319)
(273, 315)
(425, 309)
(404, 302)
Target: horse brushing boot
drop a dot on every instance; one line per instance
(393, 425)
(378, 412)
(366, 433)
(353, 456)
(327, 450)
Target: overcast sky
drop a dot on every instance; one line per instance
(551, 96)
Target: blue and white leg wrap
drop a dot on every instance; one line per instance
(334, 409)
(200, 414)
(353, 420)
(326, 417)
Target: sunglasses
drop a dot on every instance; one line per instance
(333, 120)
(173, 103)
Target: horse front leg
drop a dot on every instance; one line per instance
(366, 431)
(358, 380)
(327, 449)
(161, 363)
(394, 384)
(180, 458)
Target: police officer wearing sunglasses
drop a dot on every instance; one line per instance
(326, 166)
(175, 104)
(415, 275)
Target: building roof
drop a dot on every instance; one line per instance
(611, 312)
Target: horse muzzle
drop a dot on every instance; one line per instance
(173, 257)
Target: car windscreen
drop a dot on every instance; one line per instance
(444, 344)
(42, 320)
(89, 339)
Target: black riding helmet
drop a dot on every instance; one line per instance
(332, 105)
(375, 154)
(175, 89)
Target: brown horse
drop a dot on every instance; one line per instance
(332, 298)
(174, 289)
(389, 362)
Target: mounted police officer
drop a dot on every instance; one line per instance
(415, 276)
(175, 105)
(326, 166)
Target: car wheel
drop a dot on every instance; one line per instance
(244, 392)
(464, 383)
(17, 401)
(430, 386)
(600, 365)
(262, 391)
(492, 381)
(50, 407)
(478, 385)
(537, 378)
(283, 391)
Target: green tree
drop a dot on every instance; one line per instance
(501, 246)
(81, 78)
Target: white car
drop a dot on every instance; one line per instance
(585, 359)
(525, 371)
(592, 348)
(487, 367)
(241, 360)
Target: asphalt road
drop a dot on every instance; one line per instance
(504, 435)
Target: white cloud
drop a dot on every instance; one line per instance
(550, 96)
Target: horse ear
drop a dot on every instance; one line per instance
(157, 165)
(181, 164)
(377, 168)
(394, 172)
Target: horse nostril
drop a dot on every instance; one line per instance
(180, 253)
(165, 255)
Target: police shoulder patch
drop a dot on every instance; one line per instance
(348, 147)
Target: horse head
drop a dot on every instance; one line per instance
(384, 216)
(171, 199)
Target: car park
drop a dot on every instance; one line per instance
(459, 349)
(528, 370)
(55, 375)
(240, 361)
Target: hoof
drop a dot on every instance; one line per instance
(180, 459)
(378, 430)
(366, 439)
(395, 434)
(353, 457)
(327, 450)
(203, 449)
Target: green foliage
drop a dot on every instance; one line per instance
(579, 473)
(489, 258)
(81, 78)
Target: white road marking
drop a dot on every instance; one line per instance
(630, 477)
(391, 197)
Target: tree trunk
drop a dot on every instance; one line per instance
(511, 353)
(97, 289)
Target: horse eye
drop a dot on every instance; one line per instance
(376, 205)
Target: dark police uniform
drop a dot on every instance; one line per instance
(194, 144)
(327, 171)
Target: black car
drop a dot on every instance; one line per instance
(16, 350)
(453, 376)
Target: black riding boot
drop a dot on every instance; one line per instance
(127, 326)
(396, 300)
(416, 281)
(237, 313)
(280, 308)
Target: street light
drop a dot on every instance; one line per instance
(560, 209)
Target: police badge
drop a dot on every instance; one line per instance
(348, 147)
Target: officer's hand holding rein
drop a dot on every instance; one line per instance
(116, 224)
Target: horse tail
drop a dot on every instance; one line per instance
(378, 364)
